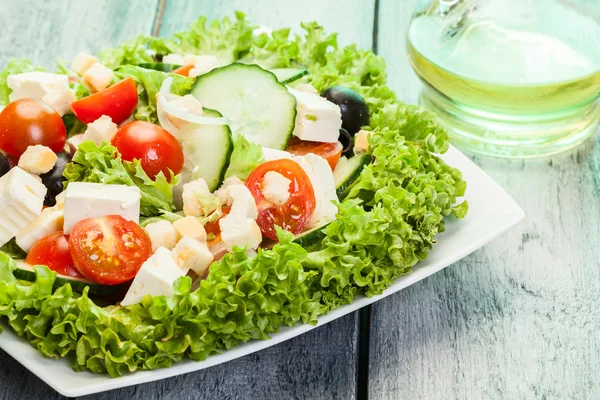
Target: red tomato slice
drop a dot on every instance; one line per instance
(292, 216)
(53, 252)
(27, 122)
(214, 228)
(109, 250)
(329, 151)
(183, 71)
(117, 101)
(155, 147)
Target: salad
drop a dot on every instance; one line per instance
(173, 197)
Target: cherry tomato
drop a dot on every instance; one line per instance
(53, 252)
(117, 101)
(295, 214)
(156, 148)
(214, 228)
(183, 71)
(28, 122)
(329, 151)
(109, 250)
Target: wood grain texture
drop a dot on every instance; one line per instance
(520, 318)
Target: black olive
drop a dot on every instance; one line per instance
(53, 180)
(348, 142)
(4, 165)
(355, 112)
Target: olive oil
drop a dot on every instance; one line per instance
(517, 80)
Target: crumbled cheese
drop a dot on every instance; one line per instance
(37, 159)
(276, 188)
(98, 77)
(101, 130)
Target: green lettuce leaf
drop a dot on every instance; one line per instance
(14, 66)
(246, 156)
(134, 51)
(103, 164)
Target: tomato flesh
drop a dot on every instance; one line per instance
(117, 101)
(331, 152)
(109, 250)
(293, 216)
(27, 122)
(53, 252)
(183, 71)
(157, 150)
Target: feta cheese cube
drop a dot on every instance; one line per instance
(237, 230)
(174, 59)
(321, 177)
(48, 222)
(162, 234)
(37, 159)
(361, 141)
(52, 89)
(273, 154)
(101, 130)
(190, 226)
(82, 62)
(190, 254)
(202, 65)
(156, 278)
(317, 119)
(193, 192)
(22, 199)
(60, 100)
(276, 188)
(306, 87)
(94, 200)
(239, 197)
(60, 200)
(98, 77)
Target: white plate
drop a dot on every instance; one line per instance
(491, 212)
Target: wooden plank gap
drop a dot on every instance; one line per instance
(375, 26)
(159, 16)
(363, 359)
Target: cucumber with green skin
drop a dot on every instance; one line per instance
(311, 237)
(25, 272)
(288, 75)
(348, 171)
(159, 66)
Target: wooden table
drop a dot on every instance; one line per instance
(518, 319)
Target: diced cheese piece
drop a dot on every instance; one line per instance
(48, 222)
(237, 230)
(175, 59)
(193, 192)
(82, 62)
(22, 199)
(276, 188)
(101, 130)
(321, 177)
(239, 197)
(361, 141)
(273, 154)
(192, 254)
(190, 226)
(162, 234)
(306, 87)
(60, 100)
(98, 77)
(74, 142)
(60, 200)
(156, 278)
(317, 119)
(52, 89)
(37, 159)
(94, 200)
(202, 65)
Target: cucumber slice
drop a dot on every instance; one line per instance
(207, 150)
(311, 237)
(347, 172)
(158, 66)
(257, 104)
(288, 75)
(26, 272)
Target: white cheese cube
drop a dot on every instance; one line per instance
(276, 188)
(317, 119)
(98, 77)
(273, 154)
(162, 234)
(321, 177)
(82, 62)
(60, 100)
(239, 197)
(193, 193)
(237, 230)
(361, 141)
(60, 200)
(22, 199)
(37, 159)
(192, 254)
(94, 200)
(175, 59)
(48, 222)
(52, 89)
(190, 226)
(202, 65)
(156, 278)
(74, 142)
(101, 130)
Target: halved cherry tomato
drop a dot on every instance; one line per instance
(27, 122)
(109, 250)
(183, 71)
(295, 214)
(213, 228)
(155, 147)
(53, 252)
(117, 101)
(329, 151)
